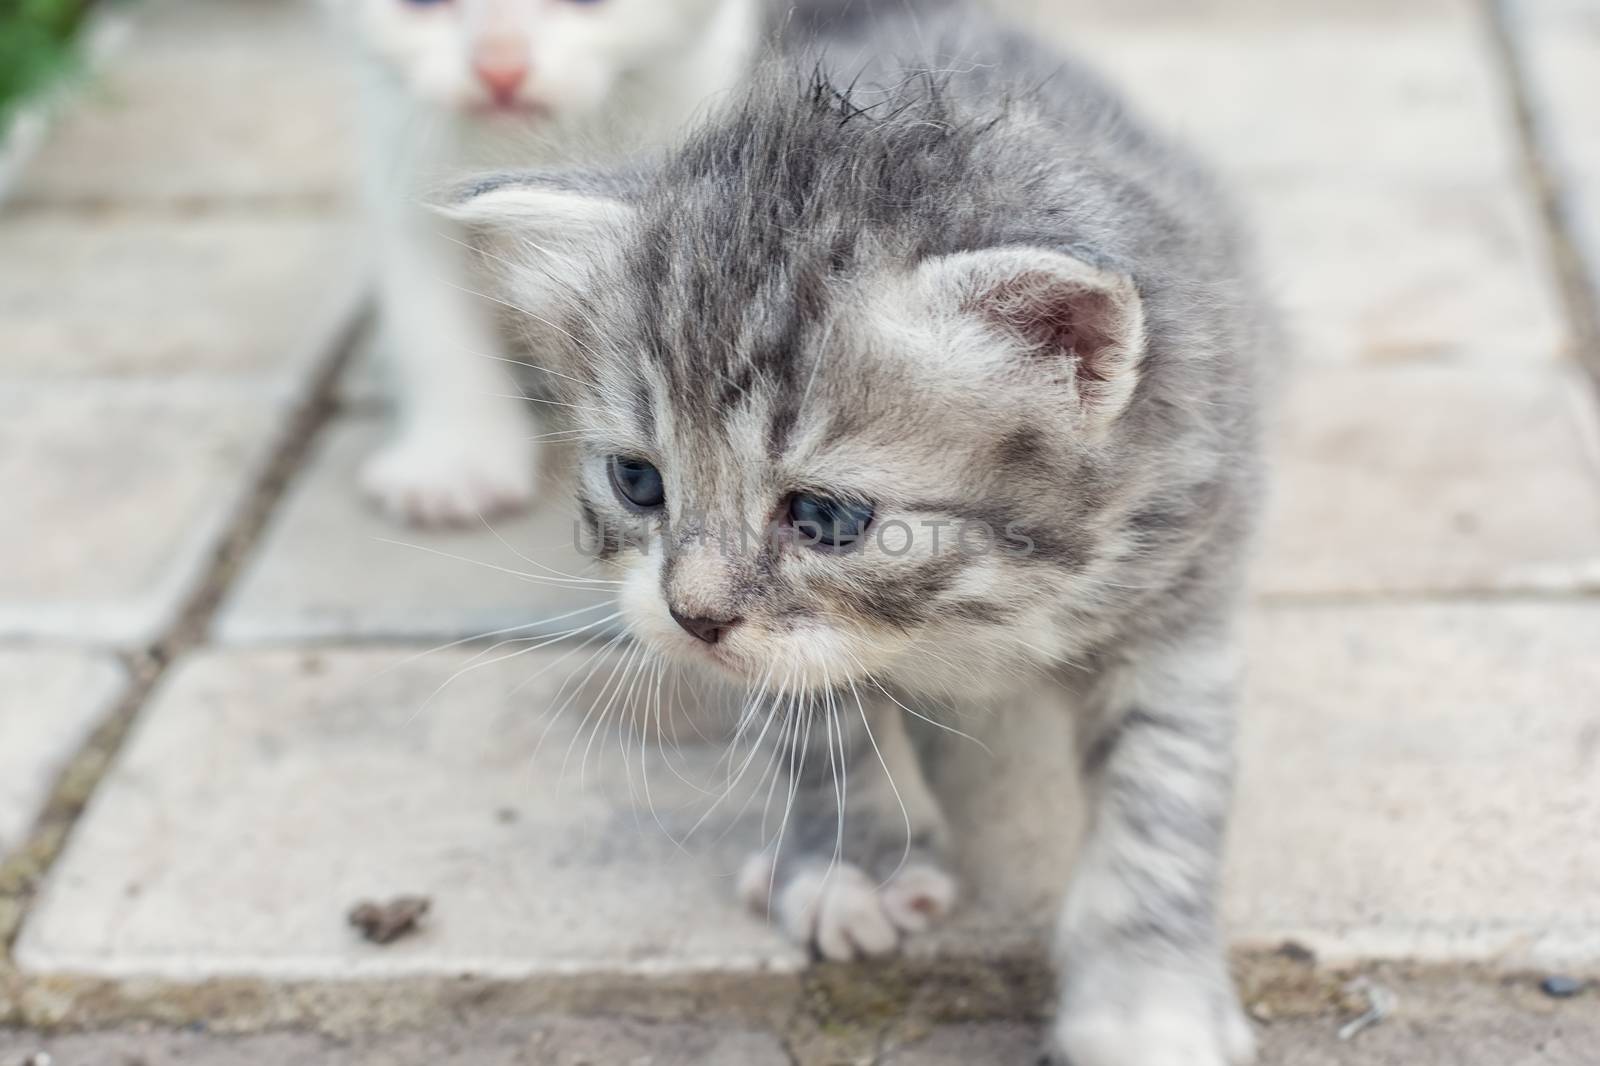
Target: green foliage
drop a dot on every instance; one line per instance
(35, 46)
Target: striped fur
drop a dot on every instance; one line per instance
(927, 265)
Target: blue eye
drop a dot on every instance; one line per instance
(828, 523)
(637, 482)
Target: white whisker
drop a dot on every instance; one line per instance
(533, 562)
(797, 766)
(532, 578)
(485, 636)
(905, 815)
(475, 664)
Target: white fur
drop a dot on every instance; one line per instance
(1172, 1027)
(601, 78)
(844, 912)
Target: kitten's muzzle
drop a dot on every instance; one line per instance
(501, 63)
(710, 630)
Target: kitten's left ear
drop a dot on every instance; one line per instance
(1082, 325)
(540, 231)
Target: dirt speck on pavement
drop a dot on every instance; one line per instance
(384, 923)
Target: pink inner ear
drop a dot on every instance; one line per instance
(1059, 317)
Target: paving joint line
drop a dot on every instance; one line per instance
(1579, 287)
(23, 873)
(804, 1010)
(1585, 590)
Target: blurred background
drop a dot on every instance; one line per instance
(235, 702)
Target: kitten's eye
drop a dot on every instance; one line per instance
(829, 523)
(637, 482)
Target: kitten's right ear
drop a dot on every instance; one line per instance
(536, 227)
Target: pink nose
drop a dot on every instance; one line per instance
(501, 63)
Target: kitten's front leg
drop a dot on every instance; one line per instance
(1143, 966)
(462, 446)
(854, 885)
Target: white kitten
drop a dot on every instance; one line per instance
(452, 85)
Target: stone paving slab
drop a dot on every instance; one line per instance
(538, 1042)
(114, 295)
(115, 494)
(1418, 783)
(50, 700)
(1410, 271)
(1434, 479)
(1388, 199)
(1284, 101)
(330, 566)
(265, 793)
(196, 108)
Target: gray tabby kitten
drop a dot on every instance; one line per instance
(978, 357)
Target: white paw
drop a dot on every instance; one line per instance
(1159, 1030)
(449, 477)
(845, 913)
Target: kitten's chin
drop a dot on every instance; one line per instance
(746, 666)
(523, 112)
(720, 661)
(714, 658)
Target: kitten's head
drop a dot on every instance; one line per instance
(874, 416)
(544, 58)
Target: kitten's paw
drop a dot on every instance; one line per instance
(437, 477)
(1164, 1027)
(843, 912)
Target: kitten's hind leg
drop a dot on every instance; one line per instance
(462, 449)
(854, 884)
(1143, 970)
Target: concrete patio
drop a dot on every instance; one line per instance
(233, 701)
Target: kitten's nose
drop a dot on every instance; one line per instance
(501, 62)
(709, 630)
